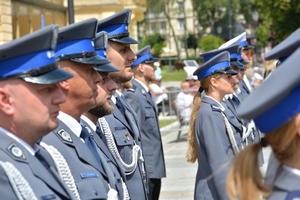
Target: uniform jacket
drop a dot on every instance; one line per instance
(123, 136)
(215, 152)
(285, 184)
(42, 182)
(147, 117)
(115, 167)
(90, 179)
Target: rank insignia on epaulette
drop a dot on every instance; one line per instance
(16, 151)
(127, 137)
(65, 135)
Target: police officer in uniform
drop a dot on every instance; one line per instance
(30, 101)
(140, 99)
(76, 54)
(217, 140)
(275, 110)
(123, 122)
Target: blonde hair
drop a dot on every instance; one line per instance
(245, 182)
(192, 152)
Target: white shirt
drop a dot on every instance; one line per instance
(72, 123)
(184, 105)
(160, 97)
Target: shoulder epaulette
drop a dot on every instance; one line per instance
(216, 108)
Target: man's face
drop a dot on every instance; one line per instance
(82, 88)
(34, 107)
(246, 55)
(121, 56)
(106, 89)
(149, 71)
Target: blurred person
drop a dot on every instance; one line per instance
(256, 78)
(159, 93)
(140, 99)
(191, 79)
(213, 141)
(269, 67)
(184, 102)
(275, 110)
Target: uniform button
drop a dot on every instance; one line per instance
(96, 192)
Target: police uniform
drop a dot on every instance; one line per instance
(23, 169)
(75, 43)
(141, 101)
(123, 127)
(270, 106)
(217, 142)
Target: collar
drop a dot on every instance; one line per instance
(221, 106)
(143, 84)
(72, 123)
(292, 170)
(31, 150)
(84, 119)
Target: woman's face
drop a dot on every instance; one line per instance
(225, 84)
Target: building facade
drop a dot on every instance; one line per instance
(20, 17)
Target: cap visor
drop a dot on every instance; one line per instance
(125, 40)
(55, 76)
(106, 68)
(94, 60)
(248, 47)
(231, 71)
(152, 60)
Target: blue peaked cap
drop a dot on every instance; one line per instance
(272, 104)
(285, 48)
(144, 55)
(32, 58)
(100, 42)
(75, 43)
(238, 40)
(117, 27)
(217, 64)
(233, 50)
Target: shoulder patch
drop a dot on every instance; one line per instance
(216, 108)
(16, 151)
(64, 135)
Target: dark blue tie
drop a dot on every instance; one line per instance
(101, 134)
(86, 136)
(120, 106)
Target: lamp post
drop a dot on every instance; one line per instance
(219, 30)
(229, 20)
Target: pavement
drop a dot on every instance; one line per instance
(180, 180)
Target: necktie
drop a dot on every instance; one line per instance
(101, 134)
(120, 106)
(86, 136)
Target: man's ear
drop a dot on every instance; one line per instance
(297, 123)
(6, 102)
(141, 68)
(64, 85)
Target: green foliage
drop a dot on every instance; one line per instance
(282, 16)
(156, 42)
(175, 75)
(210, 42)
(192, 41)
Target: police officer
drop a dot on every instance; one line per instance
(123, 123)
(30, 100)
(140, 99)
(106, 88)
(76, 54)
(216, 140)
(275, 110)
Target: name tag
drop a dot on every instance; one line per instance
(148, 107)
(120, 128)
(49, 196)
(232, 117)
(89, 175)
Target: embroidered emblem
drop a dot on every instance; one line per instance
(65, 135)
(16, 151)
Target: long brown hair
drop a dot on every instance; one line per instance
(245, 182)
(192, 152)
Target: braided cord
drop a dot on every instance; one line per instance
(125, 190)
(63, 168)
(129, 168)
(230, 135)
(19, 184)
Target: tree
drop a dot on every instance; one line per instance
(156, 42)
(279, 17)
(210, 42)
